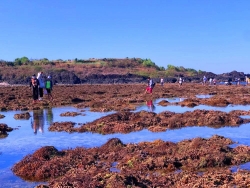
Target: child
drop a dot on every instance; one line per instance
(48, 86)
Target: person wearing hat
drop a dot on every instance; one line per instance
(48, 86)
(34, 83)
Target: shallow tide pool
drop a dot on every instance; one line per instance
(33, 134)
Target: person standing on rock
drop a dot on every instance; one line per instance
(180, 82)
(238, 81)
(210, 81)
(48, 86)
(214, 81)
(34, 83)
(40, 77)
(204, 80)
(162, 81)
(150, 86)
(247, 80)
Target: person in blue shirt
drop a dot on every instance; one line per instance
(204, 80)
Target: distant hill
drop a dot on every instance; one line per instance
(107, 70)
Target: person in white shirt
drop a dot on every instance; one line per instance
(40, 77)
(162, 81)
(180, 82)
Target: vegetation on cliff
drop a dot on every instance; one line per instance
(22, 68)
(106, 70)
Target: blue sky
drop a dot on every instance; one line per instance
(209, 35)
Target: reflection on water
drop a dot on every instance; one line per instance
(37, 122)
(41, 117)
(48, 116)
(23, 141)
(150, 105)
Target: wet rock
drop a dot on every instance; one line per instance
(25, 115)
(164, 103)
(125, 122)
(157, 129)
(46, 153)
(147, 164)
(190, 102)
(62, 126)
(214, 101)
(112, 143)
(70, 114)
(4, 129)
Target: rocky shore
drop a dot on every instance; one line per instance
(190, 163)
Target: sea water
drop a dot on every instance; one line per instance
(33, 134)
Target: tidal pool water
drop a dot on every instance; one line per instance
(33, 134)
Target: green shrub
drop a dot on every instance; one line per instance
(148, 63)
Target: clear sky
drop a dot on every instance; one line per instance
(209, 35)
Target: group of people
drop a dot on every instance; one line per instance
(212, 81)
(41, 85)
(151, 84)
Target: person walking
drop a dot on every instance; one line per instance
(48, 86)
(34, 83)
(40, 77)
